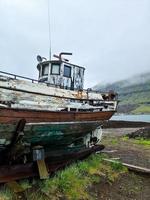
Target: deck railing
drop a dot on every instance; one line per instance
(18, 76)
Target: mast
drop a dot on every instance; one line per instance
(49, 28)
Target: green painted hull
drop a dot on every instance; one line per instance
(51, 135)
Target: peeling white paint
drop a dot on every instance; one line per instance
(24, 94)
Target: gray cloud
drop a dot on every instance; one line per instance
(111, 38)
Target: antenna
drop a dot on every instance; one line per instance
(49, 28)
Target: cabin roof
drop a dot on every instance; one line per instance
(58, 62)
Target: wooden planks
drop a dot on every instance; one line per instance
(11, 115)
(43, 173)
(131, 167)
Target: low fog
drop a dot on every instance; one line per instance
(110, 38)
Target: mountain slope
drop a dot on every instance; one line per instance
(133, 93)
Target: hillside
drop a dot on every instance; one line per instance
(133, 93)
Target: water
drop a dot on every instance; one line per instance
(140, 118)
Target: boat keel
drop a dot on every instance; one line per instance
(16, 172)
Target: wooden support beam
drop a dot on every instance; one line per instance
(131, 167)
(43, 173)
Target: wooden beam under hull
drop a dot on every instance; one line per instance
(11, 115)
(21, 171)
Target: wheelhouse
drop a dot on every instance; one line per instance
(60, 73)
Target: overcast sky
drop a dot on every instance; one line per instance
(111, 38)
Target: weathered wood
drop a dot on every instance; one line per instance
(15, 144)
(43, 89)
(108, 151)
(22, 94)
(42, 169)
(19, 129)
(51, 134)
(11, 115)
(131, 167)
(116, 158)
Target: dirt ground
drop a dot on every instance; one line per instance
(130, 186)
(126, 149)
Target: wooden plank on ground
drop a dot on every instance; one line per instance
(131, 167)
(108, 151)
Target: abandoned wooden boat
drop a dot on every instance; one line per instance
(56, 109)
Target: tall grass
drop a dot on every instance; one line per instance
(73, 182)
(5, 193)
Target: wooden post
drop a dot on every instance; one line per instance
(39, 157)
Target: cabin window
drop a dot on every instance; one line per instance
(45, 69)
(55, 69)
(67, 71)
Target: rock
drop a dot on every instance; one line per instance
(141, 133)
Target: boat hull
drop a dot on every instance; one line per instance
(53, 130)
(49, 127)
(54, 135)
(57, 133)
